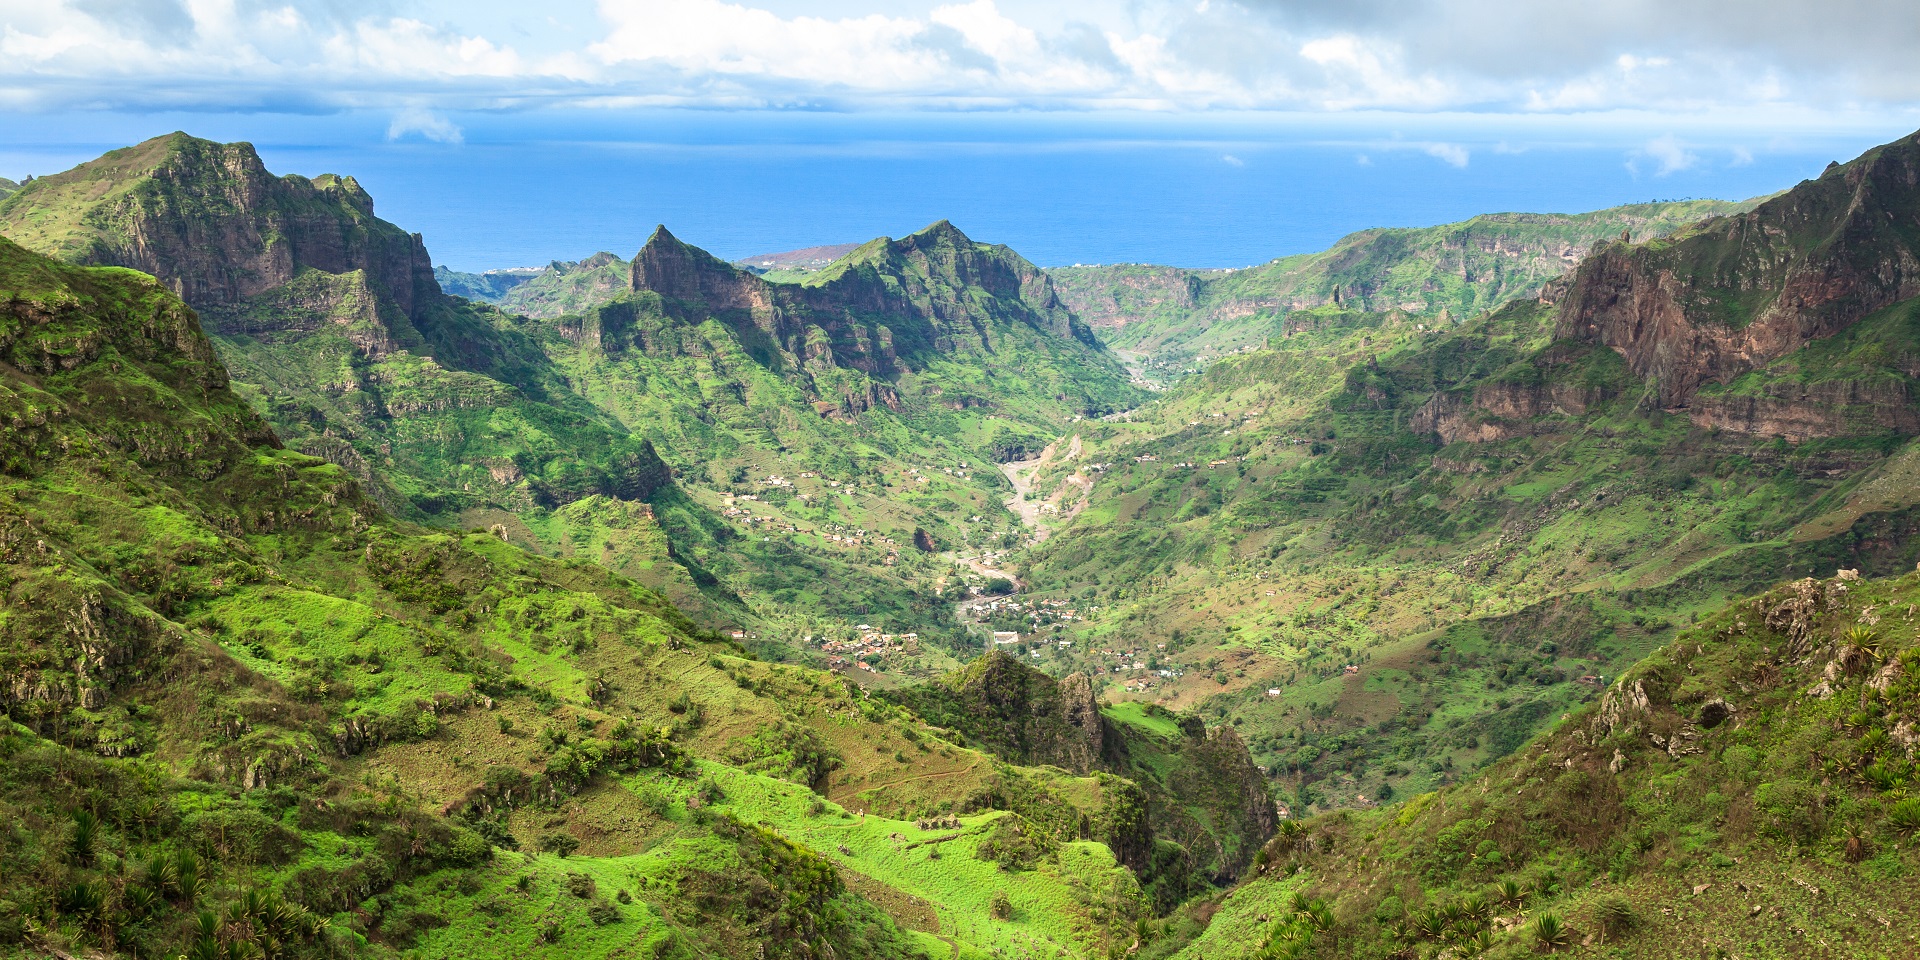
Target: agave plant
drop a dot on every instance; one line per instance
(1904, 817)
(1883, 776)
(185, 874)
(1862, 643)
(86, 829)
(1549, 933)
(1614, 913)
(139, 902)
(1858, 843)
(1510, 893)
(1476, 907)
(85, 902)
(1428, 924)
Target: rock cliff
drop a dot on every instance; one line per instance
(1739, 291)
(212, 224)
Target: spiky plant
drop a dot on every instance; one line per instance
(1476, 907)
(85, 902)
(139, 901)
(1549, 933)
(1904, 817)
(1510, 893)
(86, 830)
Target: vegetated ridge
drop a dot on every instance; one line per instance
(1443, 275)
(249, 713)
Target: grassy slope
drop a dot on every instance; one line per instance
(1472, 585)
(1783, 830)
(565, 288)
(1175, 316)
(728, 421)
(298, 691)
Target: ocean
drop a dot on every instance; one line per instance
(1197, 191)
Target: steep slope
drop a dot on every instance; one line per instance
(1741, 291)
(569, 287)
(847, 425)
(247, 711)
(1443, 274)
(7, 187)
(336, 331)
(488, 286)
(1205, 805)
(1747, 790)
(1394, 553)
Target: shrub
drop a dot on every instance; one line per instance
(1001, 908)
(559, 844)
(603, 913)
(1613, 914)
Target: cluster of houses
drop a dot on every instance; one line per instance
(1038, 614)
(869, 644)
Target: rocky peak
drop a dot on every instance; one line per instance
(1740, 291)
(214, 225)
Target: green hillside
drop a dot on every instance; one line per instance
(554, 429)
(1442, 275)
(1392, 553)
(251, 714)
(1747, 790)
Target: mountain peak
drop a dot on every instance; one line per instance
(1740, 291)
(213, 223)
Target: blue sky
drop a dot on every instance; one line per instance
(1148, 117)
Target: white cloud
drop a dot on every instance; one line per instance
(1742, 157)
(1453, 153)
(1231, 160)
(1671, 155)
(1485, 56)
(424, 122)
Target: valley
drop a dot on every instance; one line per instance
(1536, 583)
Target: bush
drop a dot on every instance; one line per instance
(559, 844)
(1613, 914)
(603, 913)
(1002, 908)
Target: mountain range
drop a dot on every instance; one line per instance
(1531, 584)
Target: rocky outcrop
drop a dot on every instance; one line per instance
(1498, 410)
(1740, 291)
(889, 307)
(214, 226)
(1023, 715)
(1797, 411)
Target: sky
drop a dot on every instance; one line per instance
(1553, 104)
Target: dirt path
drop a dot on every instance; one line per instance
(1020, 474)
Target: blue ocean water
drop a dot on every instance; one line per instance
(1210, 191)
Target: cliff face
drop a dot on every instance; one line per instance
(1740, 291)
(1025, 716)
(1200, 790)
(887, 308)
(212, 224)
(333, 319)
